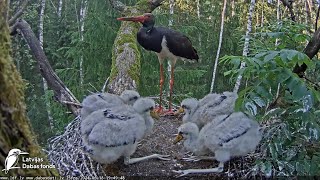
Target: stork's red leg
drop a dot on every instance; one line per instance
(171, 89)
(159, 109)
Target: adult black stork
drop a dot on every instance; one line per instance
(167, 43)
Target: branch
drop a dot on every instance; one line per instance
(288, 4)
(118, 5)
(61, 92)
(311, 50)
(18, 13)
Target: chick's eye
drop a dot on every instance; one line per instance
(151, 109)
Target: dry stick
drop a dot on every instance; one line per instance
(105, 84)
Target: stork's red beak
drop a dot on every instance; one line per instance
(134, 19)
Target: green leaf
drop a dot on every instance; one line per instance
(228, 73)
(270, 56)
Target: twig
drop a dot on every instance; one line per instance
(93, 87)
(13, 19)
(315, 85)
(72, 103)
(105, 84)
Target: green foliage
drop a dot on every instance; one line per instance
(290, 145)
(291, 138)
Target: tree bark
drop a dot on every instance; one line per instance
(246, 43)
(311, 50)
(219, 46)
(125, 71)
(61, 92)
(60, 8)
(15, 130)
(44, 82)
(83, 12)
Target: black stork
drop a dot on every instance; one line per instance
(166, 43)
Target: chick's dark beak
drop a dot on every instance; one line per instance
(179, 137)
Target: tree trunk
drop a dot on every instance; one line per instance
(125, 71)
(232, 8)
(246, 43)
(262, 14)
(60, 8)
(44, 82)
(219, 46)
(61, 92)
(198, 15)
(15, 128)
(83, 12)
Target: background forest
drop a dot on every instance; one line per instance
(78, 36)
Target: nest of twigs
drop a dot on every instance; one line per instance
(65, 152)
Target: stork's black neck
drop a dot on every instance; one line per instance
(147, 27)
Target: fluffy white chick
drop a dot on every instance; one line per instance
(111, 133)
(205, 110)
(98, 101)
(227, 136)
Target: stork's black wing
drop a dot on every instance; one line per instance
(179, 44)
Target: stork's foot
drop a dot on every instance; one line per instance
(164, 112)
(159, 110)
(168, 112)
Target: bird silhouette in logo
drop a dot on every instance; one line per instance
(12, 159)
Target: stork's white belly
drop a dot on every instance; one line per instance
(165, 53)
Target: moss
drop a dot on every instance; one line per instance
(121, 39)
(143, 5)
(114, 69)
(15, 128)
(134, 70)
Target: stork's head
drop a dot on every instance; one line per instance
(129, 96)
(147, 19)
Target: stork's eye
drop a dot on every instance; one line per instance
(151, 109)
(184, 107)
